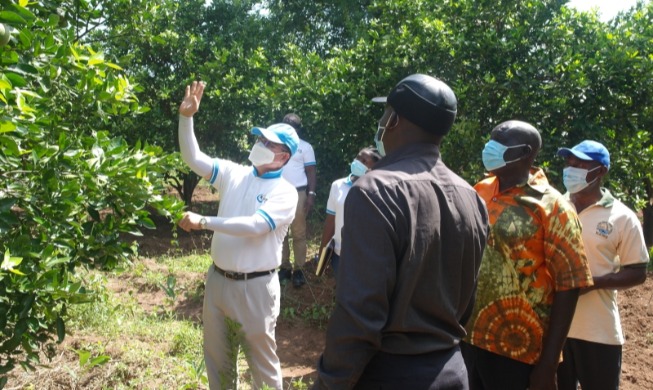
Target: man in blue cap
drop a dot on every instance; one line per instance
(415, 234)
(617, 255)
(242, 297)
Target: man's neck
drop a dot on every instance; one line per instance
(507, 182)
(586, 198)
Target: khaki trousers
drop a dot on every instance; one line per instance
(298, 232)
(241, 313)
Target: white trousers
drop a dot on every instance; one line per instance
(241, 313)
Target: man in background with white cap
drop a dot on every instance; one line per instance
(415, 234)
(242, 297)
(617, 255)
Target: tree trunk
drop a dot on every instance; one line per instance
(185, 184)
(190, 182)
(647, 223)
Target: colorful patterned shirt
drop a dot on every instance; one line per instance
(534, 249)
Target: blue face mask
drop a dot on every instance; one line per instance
(358, 168)
(575, 179)
(493, 155)
(378, 142)
(378, 138)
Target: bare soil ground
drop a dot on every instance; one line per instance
(300, 329)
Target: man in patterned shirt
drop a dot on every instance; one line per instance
(533, 267)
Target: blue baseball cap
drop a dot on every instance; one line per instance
(280, 133)
(589, 151)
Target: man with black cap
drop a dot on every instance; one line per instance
(615, 248)
(242, 295)
(415, 237)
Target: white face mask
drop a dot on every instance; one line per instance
(575, 179)
(260, 155)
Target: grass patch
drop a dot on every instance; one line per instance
(143, 330)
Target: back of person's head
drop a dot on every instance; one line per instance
(293, 120)
(425, 101)
(372, 152)
(520, 132)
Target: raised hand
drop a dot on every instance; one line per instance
(191, 103)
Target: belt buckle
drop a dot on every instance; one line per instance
(231, 275)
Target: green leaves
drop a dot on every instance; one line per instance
(70, 190)
(9, 264)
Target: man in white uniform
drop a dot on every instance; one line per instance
(617, 255)
(301, 173)
(242, 297)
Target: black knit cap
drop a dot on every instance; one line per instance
(425, 101)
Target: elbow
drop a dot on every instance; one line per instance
(641, 278)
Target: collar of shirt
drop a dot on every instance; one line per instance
(268, 175)
(536, 180)
(408, 152)
(607, 199)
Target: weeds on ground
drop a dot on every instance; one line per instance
(115, 342)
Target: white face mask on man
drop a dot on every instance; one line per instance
(260, 155)
(575, 179)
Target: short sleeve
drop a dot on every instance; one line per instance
(632, 247)
(333, 199)
(564, 249)
(309, 155)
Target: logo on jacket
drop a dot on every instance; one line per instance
(604, 229)
(261, 198)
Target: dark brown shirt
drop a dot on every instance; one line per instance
(413, 239)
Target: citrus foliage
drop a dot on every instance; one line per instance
(69, 190)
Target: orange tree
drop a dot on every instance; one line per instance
(69, 190)
(568, 73)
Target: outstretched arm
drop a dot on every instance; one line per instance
(199, 162)
(247, 226)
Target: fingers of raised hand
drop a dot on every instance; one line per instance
(197, 88)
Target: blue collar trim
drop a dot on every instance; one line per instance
(268, 175)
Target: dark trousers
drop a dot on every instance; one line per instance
(335, 260)
(441, 370)
(489, 371)
(592, 365)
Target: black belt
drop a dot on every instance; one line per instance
(301, 189)
(241, 275)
